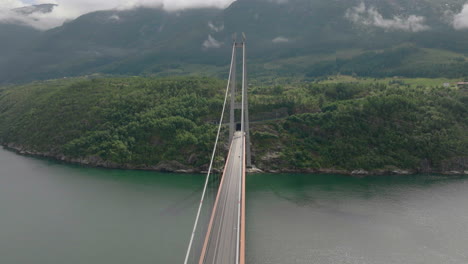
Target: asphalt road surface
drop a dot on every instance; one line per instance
(222, 241)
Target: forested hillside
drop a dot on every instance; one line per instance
(149, 123)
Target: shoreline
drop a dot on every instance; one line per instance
(176, 167)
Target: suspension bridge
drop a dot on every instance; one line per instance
(219, 231)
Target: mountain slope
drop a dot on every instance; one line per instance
(147, 123)
(334, 35)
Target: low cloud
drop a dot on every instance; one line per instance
(280, 40)
(211, 43)
(279, 1)
(12, 12)
(71, 9)
(10, 4)
(460, 20)
(114, 17)
(215, 28)
(369, 16)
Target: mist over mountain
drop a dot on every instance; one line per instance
(285, 37)
(42, 8)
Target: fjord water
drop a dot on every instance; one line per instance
(55, 213)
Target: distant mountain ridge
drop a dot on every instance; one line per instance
(294, 37)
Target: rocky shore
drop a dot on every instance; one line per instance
(455, 166)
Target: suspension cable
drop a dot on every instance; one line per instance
(212, 159)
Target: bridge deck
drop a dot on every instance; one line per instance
(222, 239)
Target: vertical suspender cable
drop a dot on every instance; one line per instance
(211, 162)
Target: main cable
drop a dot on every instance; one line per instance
(212, 159)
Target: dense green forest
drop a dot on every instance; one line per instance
(145, 122)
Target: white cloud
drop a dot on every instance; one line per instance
(215, 28)
(460, 20)
(371, 17)
(114, 17)
(280, 40)
(212, 43)
(10, 4)
(41, 21)
(6, 13)
(71, 9)
(279, 2)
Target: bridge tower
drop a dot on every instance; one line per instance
(243, 104)
(222, 232)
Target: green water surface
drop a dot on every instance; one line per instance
(53, 213)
